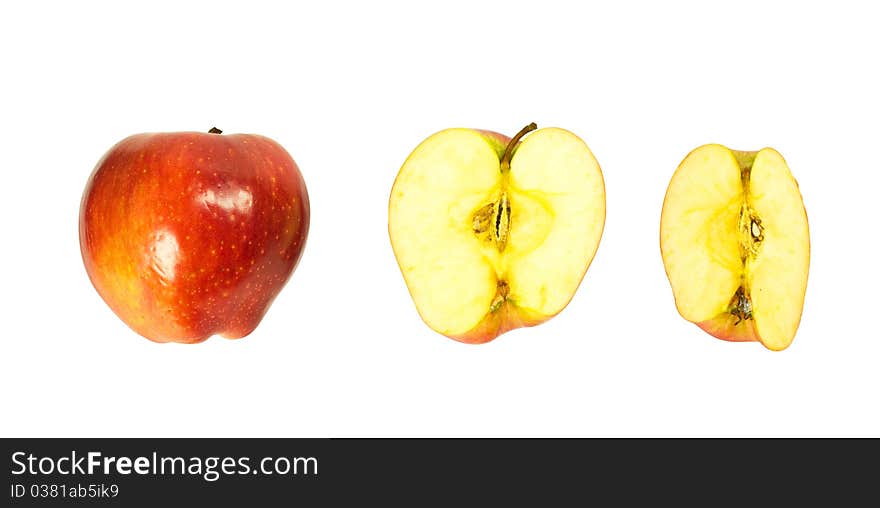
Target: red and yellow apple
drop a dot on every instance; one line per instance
(186, 235)
(492, 233)
(736, 244)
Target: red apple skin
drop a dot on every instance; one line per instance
(730, 328)
(506, 318)
(186, 235)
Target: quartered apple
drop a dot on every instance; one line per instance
(493, 233)
(736, 245)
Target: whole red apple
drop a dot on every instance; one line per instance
(186, 234)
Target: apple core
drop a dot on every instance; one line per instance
(498, 211)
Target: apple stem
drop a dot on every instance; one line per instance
(215, 130)
(508, 152)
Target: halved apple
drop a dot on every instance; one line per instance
(492, 233)
(736, 245)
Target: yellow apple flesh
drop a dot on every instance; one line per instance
(736, 245)
(494, 234)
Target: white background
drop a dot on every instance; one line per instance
(350, 89)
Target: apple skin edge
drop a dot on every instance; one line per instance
(505, 318)
(187, 235)
(725, 327)
(496, 139)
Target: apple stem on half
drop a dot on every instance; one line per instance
(508, 152)
(215, 130)
(502, 214)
